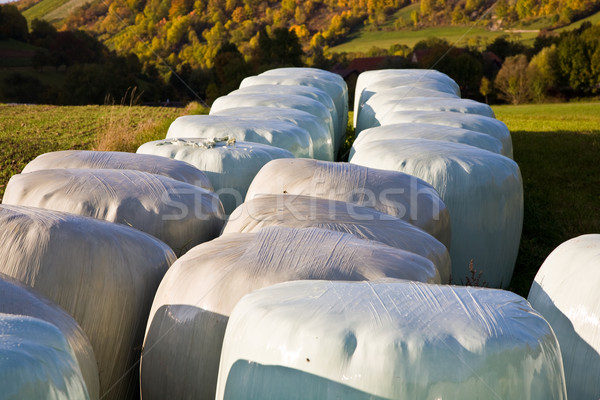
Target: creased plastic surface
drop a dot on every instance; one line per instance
(565, 292)
(409, 130)
(104, 275)
(36, 361)
(179, 214)
(194, 300)
(472, 122)
(180, 171)
(18, 299)
(297, 211)
(390, 192)
(281, 134)
(230, 167)
(405, 340)
(482, 190)
(372, 113)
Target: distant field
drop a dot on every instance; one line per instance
(52, 10)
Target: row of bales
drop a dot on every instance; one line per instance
(236, 259)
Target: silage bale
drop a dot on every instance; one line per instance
(180, 171)
(395, 193)
(306, 71)
(37, 362)
(104, 275)
(191, 308)
(388, 340)
(179, 214)
(18, 299)
(230, 165)
(565, 292)
(281, 134)
(482, 190)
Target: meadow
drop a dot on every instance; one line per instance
(555, 145)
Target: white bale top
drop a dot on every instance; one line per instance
(395, 193)
(104, 275)
(178, 170)
(388, 340)
(37, 362)
(482, 190)
(282, 134)
(306, 71)
(472, 122)
(230, 165)
(179, 214)
(319, 133)
(192, 305)
(565, 292)
(18, 299)
(415, 130)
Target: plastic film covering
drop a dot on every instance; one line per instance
(296, 211)
(276, 101)
(306, 71)
(411, 130)
(230, 166)
(17, 299)
(337, 91)
(472, 122)
(179, 214)
(104, 275)
(315, 126)
(402, 340)
(281, 134)
(190, 312)
(565, 292)
(36, 361)
(395, 193)
(371, 114)
(180, 171)
(482, 190)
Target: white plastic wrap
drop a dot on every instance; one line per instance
(230, 166)
(337, 91)
(395, 193)
(282, 134)
(482, 190)
(276, 101)
(194, 300)
(36, 361)
(180, 171)
(179, 214)
(311, 72)
(18, 299)
(104, 275)
(315, 126)
(371, 114)
(296, 211)
(410, 130)
(472, 122)
(388, 340)
(565, 292)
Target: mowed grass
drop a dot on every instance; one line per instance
(557, 147)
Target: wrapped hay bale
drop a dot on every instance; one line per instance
(411, 130)
(296, 211)
(179, 214)
(472, 122)
(231, 166)
(306, 71)
(395, 193)
(482, 190)
(388, 340)
(319, 133)
(276, 133)
(37, 362)
(17, 299)
(565, 292)
(180, 171)
(104, 275)
(190, 311)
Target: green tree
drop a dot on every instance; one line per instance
(485, 88)
(12, 24)
(512, 80)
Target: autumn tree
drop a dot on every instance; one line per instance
(512, 80)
